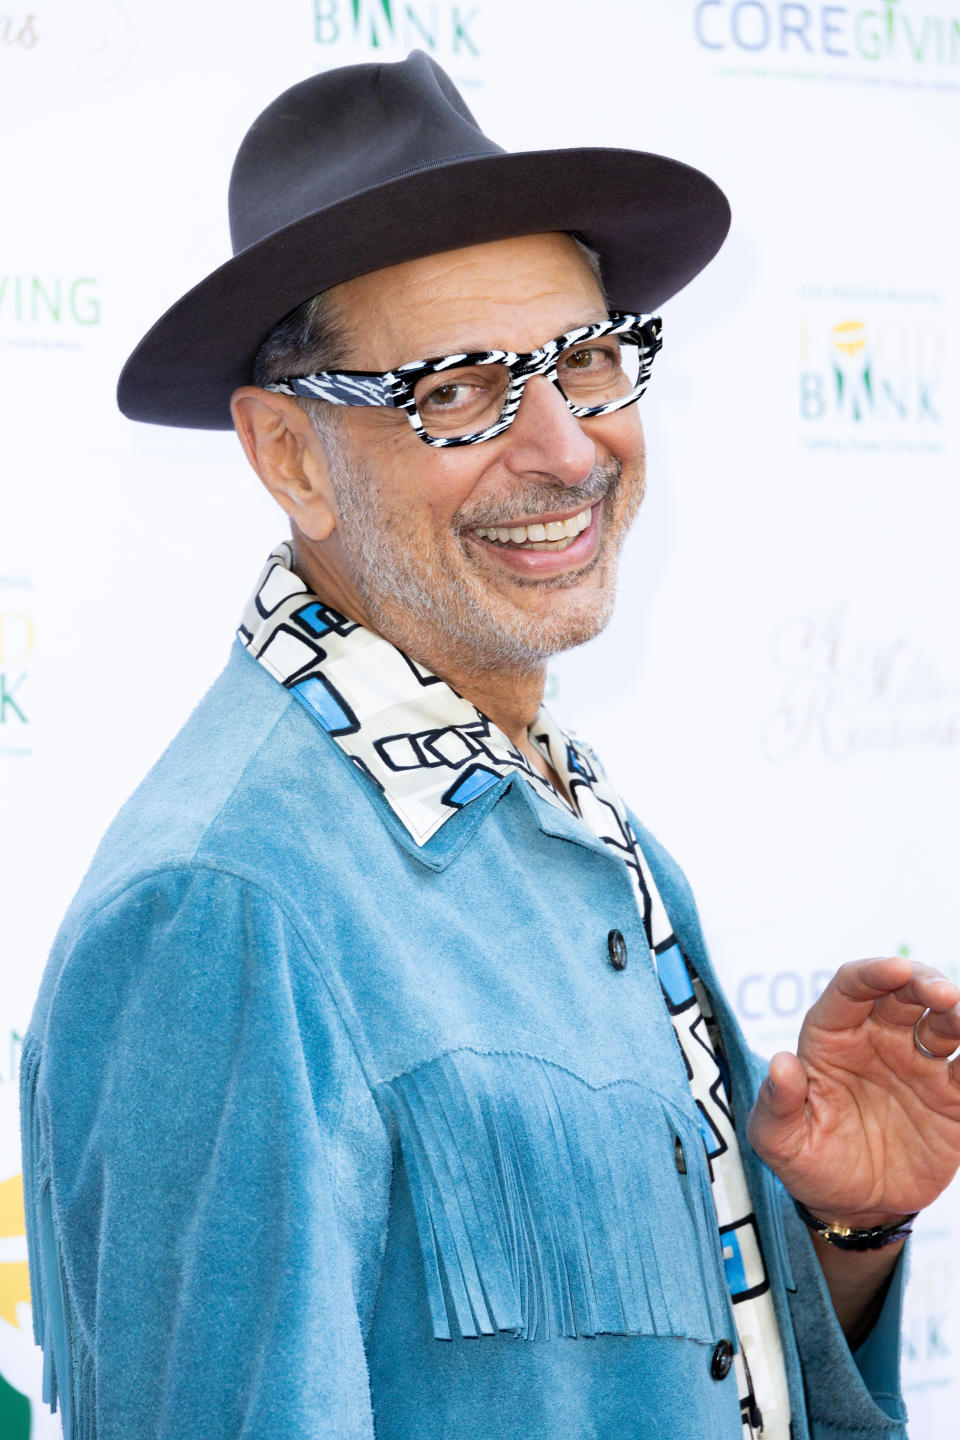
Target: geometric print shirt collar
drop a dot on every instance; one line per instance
(429, 750)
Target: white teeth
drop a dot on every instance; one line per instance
(550, 536)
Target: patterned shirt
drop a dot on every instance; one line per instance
(431, 752)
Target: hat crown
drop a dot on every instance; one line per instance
(344, 131)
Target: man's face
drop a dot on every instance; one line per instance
(409, 550)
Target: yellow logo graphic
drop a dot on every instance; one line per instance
(23, 1415)
(14, 1277)
(850, 337)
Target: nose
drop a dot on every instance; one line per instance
(546, 438)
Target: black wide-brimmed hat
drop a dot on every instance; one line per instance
(370, 165)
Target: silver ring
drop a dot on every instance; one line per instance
(919, 1043)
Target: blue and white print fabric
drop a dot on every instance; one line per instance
(431, 752)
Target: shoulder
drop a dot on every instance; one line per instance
(248, 770)
(198, 849)
(163, 934)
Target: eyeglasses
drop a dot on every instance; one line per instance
(463, 399)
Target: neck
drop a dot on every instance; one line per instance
(509, 697)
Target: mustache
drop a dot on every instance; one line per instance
(542, 499)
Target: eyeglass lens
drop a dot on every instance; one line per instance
(456, 402)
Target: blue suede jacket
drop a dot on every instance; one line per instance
(328, 1136)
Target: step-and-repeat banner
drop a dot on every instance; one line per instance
(779, 693)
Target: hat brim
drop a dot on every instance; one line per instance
(655, 223)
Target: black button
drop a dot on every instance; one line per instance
(721, 1360)
(617, 950)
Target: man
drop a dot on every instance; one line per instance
(380, 1083)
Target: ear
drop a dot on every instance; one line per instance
(288, 455)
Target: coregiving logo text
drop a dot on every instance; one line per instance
(892, 39)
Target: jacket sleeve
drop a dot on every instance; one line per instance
(851, 1395)
(207, 1176)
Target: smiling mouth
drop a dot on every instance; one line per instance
(548, 535)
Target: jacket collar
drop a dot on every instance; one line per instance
(427, 749)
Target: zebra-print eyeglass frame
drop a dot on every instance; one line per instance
(395, 388)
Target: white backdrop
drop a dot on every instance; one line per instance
(779, 694)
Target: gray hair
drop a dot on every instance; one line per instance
(312, 337)
(316, 336)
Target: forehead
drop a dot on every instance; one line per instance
(511, 294)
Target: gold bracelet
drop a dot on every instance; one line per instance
(845, 1237)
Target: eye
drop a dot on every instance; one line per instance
(445, 397)
(459, 393)
(579, 360)
(592, 358)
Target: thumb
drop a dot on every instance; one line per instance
(778, 1119)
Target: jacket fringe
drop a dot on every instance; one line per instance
(68, 1370)
(546, 1206)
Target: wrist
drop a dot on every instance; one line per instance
(870, 1231)
(860, 1220)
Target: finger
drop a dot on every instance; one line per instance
(939, 1033)
(777, 1122)
(859, 985)
(926, 990)
(787, 1084)
(855, 988)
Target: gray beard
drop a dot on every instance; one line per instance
(479, 639)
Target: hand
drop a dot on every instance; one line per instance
(859, 1125)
